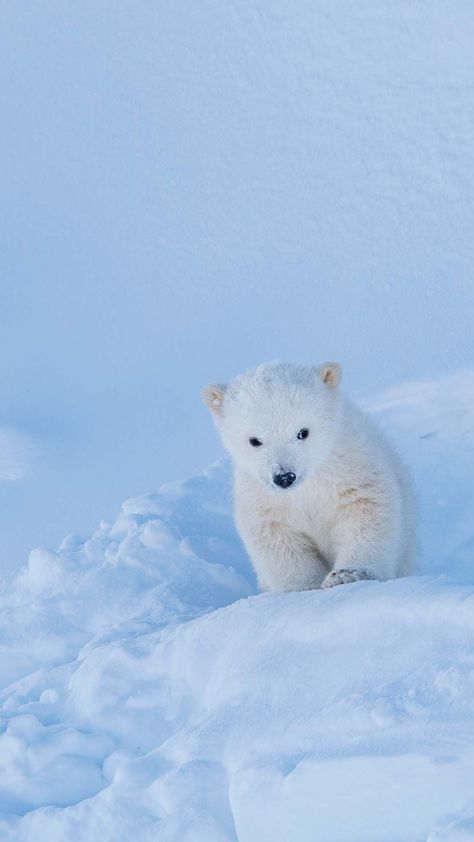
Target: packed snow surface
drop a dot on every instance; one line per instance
(151, 693)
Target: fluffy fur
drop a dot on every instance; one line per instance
(349, 513)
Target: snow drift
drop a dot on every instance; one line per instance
(150, 693)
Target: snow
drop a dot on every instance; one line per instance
(150, 692)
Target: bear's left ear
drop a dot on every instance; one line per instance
(330, 374)
(213, 397)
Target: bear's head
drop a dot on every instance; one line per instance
(279, 422)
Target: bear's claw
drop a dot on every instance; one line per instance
(344, 576)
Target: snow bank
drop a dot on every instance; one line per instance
(150, 693)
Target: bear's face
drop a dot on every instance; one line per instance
(279, 422)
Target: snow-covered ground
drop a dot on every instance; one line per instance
(150, 693)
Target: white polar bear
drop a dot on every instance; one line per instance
(321, 498)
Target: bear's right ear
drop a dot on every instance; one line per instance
(330, 374)
(213, 397)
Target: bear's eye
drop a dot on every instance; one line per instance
(255, 442)
(303, 434)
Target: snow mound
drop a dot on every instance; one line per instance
(148, 691)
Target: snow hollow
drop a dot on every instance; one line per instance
(150, 693)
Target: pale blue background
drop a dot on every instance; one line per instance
(189, 189)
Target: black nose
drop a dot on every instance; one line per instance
(284, 480)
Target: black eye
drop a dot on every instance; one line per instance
(303, 434)
(255, 442)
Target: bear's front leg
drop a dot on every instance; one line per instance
(283, 560)
(365, 541)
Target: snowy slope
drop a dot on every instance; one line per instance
(149, 693)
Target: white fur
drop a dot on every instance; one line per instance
(350, 513)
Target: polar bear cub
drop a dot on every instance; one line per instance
(321, 498)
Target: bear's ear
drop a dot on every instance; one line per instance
(213, 397)
(330, 374)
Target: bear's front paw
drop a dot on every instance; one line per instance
(344, 576)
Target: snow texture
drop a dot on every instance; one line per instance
(150, 693)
